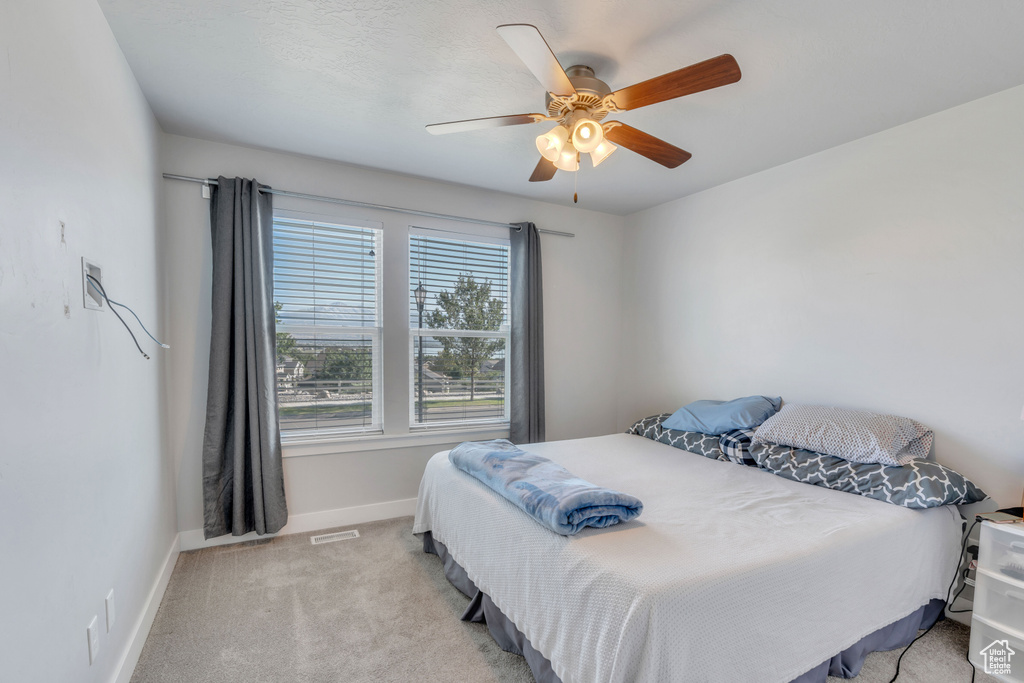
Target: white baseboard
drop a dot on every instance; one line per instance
(964, 617)
(138, 638)
(310, 521)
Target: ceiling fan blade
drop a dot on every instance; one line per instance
(488, 122)
(646, 145)
(545, 171)
(715, 72)
(527, 42)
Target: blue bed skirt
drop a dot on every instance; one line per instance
(846, 664)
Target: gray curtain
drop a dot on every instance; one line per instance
(243, 486)
(526, 355)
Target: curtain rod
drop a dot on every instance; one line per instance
(367, 205)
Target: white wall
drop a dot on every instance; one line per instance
(582, 299)
(884, 274)
(86, 498)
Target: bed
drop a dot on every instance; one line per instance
(730, 574)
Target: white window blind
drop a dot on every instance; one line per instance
(458, 347)
(327, 292)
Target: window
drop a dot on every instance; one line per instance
(348, 366)
(327, 294)
(459, 319)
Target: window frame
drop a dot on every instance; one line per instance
(397, 429)
(504, 332)
(376, 334)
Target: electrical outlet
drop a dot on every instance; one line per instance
(91, 297)
(110, 610)
(93, 633)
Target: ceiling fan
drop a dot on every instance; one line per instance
(578, 101)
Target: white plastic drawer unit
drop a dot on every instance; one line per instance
(1002, 550)
(1000, 600)
(996, 651)
(997, 625)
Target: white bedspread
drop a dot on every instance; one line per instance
(730, 574)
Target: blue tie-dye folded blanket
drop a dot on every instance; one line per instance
(553, 496)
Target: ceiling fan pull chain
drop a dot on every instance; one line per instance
(575, 179)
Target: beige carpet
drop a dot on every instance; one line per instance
(374, 609)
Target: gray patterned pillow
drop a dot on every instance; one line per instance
(694, 442)
(917, 484)
(856, 435)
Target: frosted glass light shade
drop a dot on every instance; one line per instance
(587, 134)
(551, 143)
(602, 152)
(568, 159)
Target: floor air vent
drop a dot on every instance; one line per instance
(331, 538)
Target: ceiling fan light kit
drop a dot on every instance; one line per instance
(551, 143)
(587, 134)
(602, 152)
(568, 159)
(579, 101)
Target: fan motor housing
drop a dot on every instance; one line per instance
(590, 90)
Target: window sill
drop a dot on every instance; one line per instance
(302, 447)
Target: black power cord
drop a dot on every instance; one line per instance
(96, 283)
(956, 575)
(136, 315)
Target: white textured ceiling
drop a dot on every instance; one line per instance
(356, 80)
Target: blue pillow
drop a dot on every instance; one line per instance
(719, 417)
